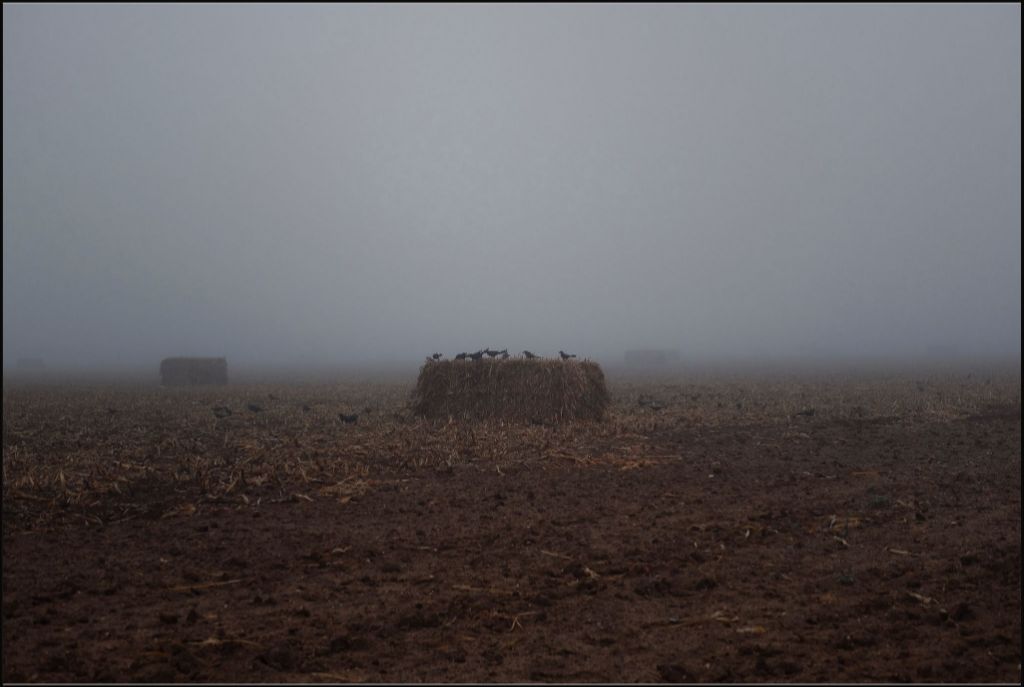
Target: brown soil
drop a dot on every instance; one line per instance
(824, 547)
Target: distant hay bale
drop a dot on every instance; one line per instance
(193, 371)
(652, 358)
(514, 390)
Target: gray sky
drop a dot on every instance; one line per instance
(333, 183)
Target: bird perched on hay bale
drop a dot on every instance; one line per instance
(566, 356)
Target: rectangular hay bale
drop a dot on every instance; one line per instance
(516, 390)
(193, 371)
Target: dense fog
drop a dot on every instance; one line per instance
(336, 184)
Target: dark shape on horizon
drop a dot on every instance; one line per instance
(566, 356)
(504, 354)
(349, 419)
(652, 358)
(462, 356)
(529, 356)
(491, 354)
(477, 356)
(437, 356)
(192, 371)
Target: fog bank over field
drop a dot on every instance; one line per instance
(341, 184)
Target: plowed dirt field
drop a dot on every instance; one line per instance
(743, 531)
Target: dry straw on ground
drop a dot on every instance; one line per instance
(513, 390)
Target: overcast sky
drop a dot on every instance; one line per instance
(332, 183)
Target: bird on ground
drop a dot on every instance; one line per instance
(529, 356)
(566, 356)
(477, 356)
(462, 356)
(349, 419)
(649, 402)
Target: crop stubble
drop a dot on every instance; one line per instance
(745, 529)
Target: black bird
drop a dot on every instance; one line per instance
(462, 356)
(437, 356)
(254, 408)
(492, 354)
(477, 356)
(349, 419)
(565, 356)
(529, 356)
(504, 354)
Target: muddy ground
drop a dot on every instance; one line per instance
(825, 540)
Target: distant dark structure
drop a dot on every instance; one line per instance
(652, 358)
(193, 371)
(529, 356)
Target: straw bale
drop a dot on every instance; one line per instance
(515, 390)
(192, 371)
